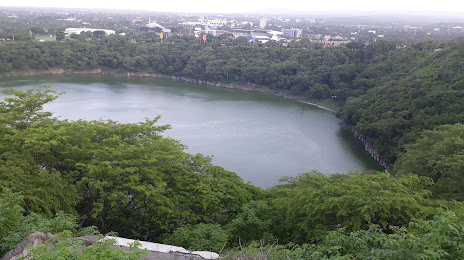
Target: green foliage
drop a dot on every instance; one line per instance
(438, 154)
(256, 221)
(315, 203)
(25, 108)
(144, 185)
(68, 249)
(10, 214)
(390, 95)
(28, 140)
(14, 226)
(437, 238)
(129, 178)
(264, 251)
(402, 93)
(200, 237)
(278, 69)
(119, 177)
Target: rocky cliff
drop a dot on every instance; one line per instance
(368, 146)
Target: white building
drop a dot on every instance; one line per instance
(70, 31)
(151, 24)
(263, 22)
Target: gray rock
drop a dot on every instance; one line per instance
(23, 248)
(155, 250)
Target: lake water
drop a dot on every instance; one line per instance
(260, 137)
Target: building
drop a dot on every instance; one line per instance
(292, 33)
(168, 31)
(263, 22)
(151, 24)
(260, 38)
(70, 31)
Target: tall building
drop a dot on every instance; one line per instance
(292, 33)
(263, 22)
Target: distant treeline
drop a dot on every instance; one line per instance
(390, 95)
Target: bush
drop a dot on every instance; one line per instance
(201, 237)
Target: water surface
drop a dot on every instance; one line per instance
(260, 137)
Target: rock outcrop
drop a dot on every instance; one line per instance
(164, 252)
(23, 248)
(368, 146)
(155, 250)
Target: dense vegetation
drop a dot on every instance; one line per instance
(59, 175)
(407, 91)
(389, 95)
(311, 73)
(119, 177)
(81, 177)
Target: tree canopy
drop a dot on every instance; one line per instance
(390, 95)
(314, 203)
(438, 154)
(119, 177)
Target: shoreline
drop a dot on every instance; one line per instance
(370, 148)
(245, 87)
(316, 105)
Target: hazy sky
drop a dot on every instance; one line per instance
(237, 6)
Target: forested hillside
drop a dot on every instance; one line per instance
(80, 177)
(311, 73)
(393, 94)
(410, 90)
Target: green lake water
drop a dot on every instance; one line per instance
(260, 137)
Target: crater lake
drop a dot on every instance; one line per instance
(260, 137)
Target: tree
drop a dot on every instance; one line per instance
(60, 36)
(437, 238)
(315, 203)
(256, 221)
(25, 108)
(98, 34)
(120, 177)
(226, 37)
(201, 237)
(15, 226)
(69, 249)
(355, 45)
(438, 154)
(27, 143)
(242, 41)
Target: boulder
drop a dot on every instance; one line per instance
(23, 248)
(155, 250)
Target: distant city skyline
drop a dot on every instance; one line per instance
(247, 6)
